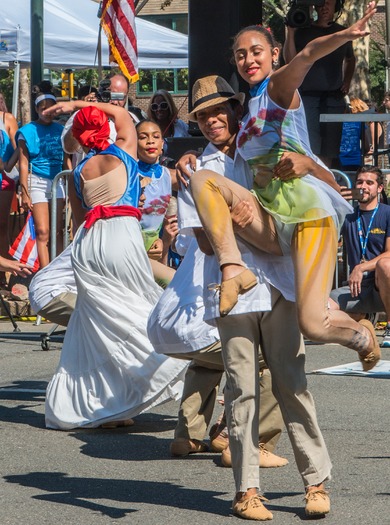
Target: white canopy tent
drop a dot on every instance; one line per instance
(70, 39)
(71, 36)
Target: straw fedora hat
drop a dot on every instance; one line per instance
(210, 91)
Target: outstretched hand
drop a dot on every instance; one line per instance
(14, 267)
(360, 28)
(60, 108)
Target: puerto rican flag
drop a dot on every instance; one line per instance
(24, 248)
(118, 22)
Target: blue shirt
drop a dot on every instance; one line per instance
(379, 232)
(44, 147)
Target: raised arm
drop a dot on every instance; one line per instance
(126, 135)
(286, 80)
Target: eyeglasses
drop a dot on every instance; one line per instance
(162, 106)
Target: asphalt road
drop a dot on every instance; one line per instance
(99, 477)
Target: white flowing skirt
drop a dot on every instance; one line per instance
(108, 370)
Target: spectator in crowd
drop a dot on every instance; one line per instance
(41, 158)
(9, 127)
(366, 235)
(119, 85)
(328, 81)
(386, 104)
(357, 138)
(163, 111)
(14, 267)
(87, 93)
(108, 370)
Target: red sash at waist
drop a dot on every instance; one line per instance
(106, 212)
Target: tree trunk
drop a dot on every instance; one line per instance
(24, 96)
(360, 85)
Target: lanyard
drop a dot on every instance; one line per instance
(363, 243)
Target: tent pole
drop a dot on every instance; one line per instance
(99, 52)
(36, 41)
(15, 93)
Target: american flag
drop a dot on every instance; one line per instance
(24, 248)
(118, 21)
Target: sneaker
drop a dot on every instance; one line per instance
(266, 459)
(386, 337)
(252, 508)
(182, 447)
(317, 502)
(219, 437)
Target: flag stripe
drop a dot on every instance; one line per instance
(24, 248)
(118, 22)
(120, 51)
(125, 32)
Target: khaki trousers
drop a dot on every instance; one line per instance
(283, 349)
(59, 309)
(201, 384)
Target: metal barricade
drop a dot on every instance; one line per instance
(53, 221)
(344, 180)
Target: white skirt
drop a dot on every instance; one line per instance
(108, 370)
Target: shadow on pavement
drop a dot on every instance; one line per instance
(76, 491)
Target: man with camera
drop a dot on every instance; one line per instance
(328, 80)
(366, 234)
(113, 90)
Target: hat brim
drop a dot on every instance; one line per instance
(214, 102)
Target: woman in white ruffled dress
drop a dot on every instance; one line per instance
(108, 370)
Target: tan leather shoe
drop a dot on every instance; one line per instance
(317, 502)
(232, 288)
(252, 508)
(182, 447)
(370, 360)
(266, 459)
(219, 437)
(269, 460)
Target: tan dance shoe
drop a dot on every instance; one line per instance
(182, 447)
(266, 458)
(370, 360)
(232, 288)
(317, 502)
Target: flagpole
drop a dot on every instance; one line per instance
(99, 45)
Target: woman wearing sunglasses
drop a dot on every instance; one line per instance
(163, 111)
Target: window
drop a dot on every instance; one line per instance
(177, 22)
(173, 80)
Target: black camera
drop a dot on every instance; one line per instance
(299, 13)
(104, 93)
